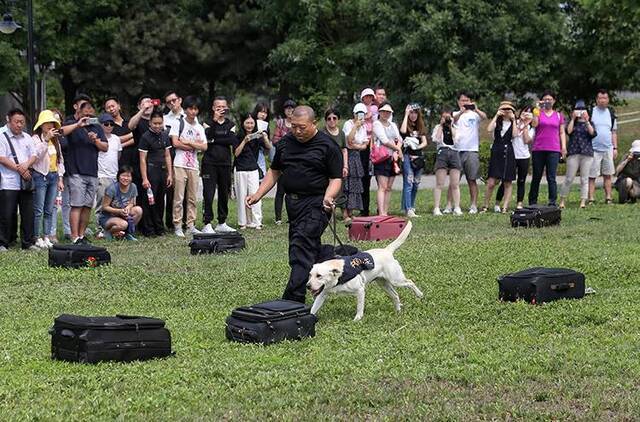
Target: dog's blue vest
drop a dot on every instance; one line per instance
(354, 265)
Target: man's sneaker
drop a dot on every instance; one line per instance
(129, 236)
(40, 244)
(473, 209)
(3, 249)
(208, 229)
(496, 208)
(457, 211)
(48, 242)
(278, 222)
(193, 230)
(411, 213)
(178, 232)
(437, 212)
(447, 210)
(33, 248)
(224, 228)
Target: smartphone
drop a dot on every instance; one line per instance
(256, 135)
(577, 113)
(92, 121)
(360, 116)
(155, 102)
(470, 106)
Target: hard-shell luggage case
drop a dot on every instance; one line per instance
(205, 243)
(376, 228)
(76, 256)
(121, 338)
(271, 322)
(536, 216)
(540, 285)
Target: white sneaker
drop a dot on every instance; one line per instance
(40, 244)
(178, 232)
(446, 211)
(48, 242)
(437, 212)
(224, 228)
(208, 229)
(414, 212)
(3, 249)
(473, 210)
(496, 208)
(411, 213)
(457, 211)
(193, 230)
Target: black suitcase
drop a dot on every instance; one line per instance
(96, 339)
(76, 256)
(540, 285)
(205, 243)
(536, 216)
(271, 322)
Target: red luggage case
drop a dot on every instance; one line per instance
(376, 228)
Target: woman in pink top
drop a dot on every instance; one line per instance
(549, 144)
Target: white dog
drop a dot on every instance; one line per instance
(380, 264)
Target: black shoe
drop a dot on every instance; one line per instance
(84, 241)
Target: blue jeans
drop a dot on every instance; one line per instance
(410, 183)
(43, 202)
(541, 160)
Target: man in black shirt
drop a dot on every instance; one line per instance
(216, 167)
(121, 127)
(308, 163)
(139, 125)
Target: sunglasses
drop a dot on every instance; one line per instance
(332, 118)
(108, 124)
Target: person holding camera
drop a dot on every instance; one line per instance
(246, 175)
(386, 139)
(17, 155)
(628, 172)
(308, 164)
(414, 132)
(467, 122)
(502, 162)
(579, 153)
(217, 167)
(357, 141)
(447, 161)
(549, 145)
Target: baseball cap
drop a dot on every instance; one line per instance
(105, 117)
(359, 108)
(367, 91)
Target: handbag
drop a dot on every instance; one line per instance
(379, 154)
(417, 163)
(26, 185)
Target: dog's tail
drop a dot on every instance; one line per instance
(393, 246)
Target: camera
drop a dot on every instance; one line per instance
(470, 106)
(255, 135)
(92, 121)
(447, 120)
(360, 115)
(636, 155)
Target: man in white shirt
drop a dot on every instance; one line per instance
(605, 145)
(172, 119)
(187, 143)
(107, 161)
(467, 123)
(17, 155)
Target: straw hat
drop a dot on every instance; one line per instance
(507, 105)
(46, 116)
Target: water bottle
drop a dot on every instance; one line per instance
(58, 201)
(150, 197)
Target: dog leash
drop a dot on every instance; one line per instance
(332, 226)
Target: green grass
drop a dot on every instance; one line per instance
(457, 354)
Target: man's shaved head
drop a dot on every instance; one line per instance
(304, 110)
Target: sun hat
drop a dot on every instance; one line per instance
(367, 91)
(635, 146)
(507, 105)
(386, 107)
(360, 108)
(46, 116)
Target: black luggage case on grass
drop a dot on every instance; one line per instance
(536, 216)
(76, 256)
(96, 339)
(271, 322)
(539, 285)
(216, 243)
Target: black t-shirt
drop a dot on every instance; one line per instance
(130, 153)
(81, 153)
(632, 169)
(220, 140)
(248, 158)
(121, 130)
(307, 167)
(155, 145)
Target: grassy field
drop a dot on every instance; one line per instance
(457, 354)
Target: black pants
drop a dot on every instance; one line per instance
(522, 168)
(279, 201)
(215, 177)
(366, 181)
(307, 222)
(152, 214)
(10, 202)
(544, 161)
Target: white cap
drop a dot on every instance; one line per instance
(635, 146)
(367, 91)
(360, 108)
